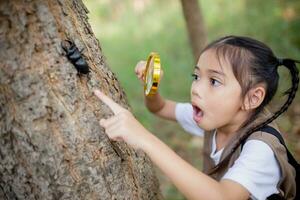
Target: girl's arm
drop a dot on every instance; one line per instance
(194, 184)
(191, 182)
(161, 107)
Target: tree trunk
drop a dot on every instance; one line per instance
(195, 25)
(51, 144)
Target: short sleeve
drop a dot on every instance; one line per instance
(184, 116)
(256, 169)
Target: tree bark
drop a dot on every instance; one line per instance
(195, 25)
(51, 143)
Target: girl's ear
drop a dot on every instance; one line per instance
(254, 97)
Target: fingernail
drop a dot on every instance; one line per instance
(97, 92)
(101, 122)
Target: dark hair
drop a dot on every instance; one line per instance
(253, 63)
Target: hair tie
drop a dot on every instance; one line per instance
(280, 61)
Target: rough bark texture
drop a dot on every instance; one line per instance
(51, 144)
(195, 25)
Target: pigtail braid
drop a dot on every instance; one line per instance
(290, 64)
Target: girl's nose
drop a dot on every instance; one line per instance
(197, 89)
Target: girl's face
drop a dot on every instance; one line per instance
(215, 93)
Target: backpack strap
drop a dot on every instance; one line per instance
(273, 131)
(291, 159)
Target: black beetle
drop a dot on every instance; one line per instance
(74, 56)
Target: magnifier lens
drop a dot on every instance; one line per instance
(152, 74)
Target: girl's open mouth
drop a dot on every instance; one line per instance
(197, 114)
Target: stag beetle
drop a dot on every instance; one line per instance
(74, 56)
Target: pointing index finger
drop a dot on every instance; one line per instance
(116, 108)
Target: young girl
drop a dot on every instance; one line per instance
(234, 79)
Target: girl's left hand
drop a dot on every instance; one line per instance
(123, 125)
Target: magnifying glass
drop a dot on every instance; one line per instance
(152, 74)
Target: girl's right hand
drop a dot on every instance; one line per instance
(155, 103)
(140, 69)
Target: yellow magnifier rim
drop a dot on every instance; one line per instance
(152, 74)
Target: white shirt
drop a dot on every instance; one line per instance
(256, 169)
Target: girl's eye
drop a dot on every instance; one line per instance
(195, 77)
(214, 82)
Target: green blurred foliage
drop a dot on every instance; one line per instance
(129, 30)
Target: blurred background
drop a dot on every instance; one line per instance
(128, 30)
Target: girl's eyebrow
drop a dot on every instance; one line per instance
(212, 71)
